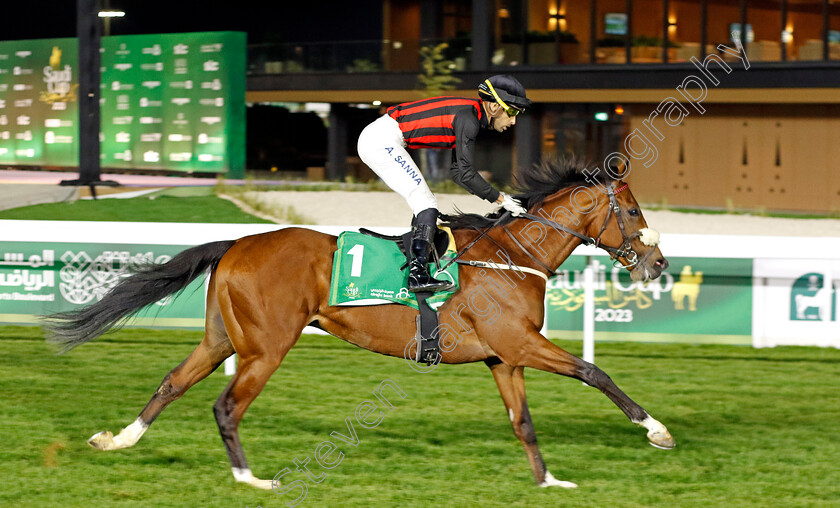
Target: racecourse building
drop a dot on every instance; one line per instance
(711, 115)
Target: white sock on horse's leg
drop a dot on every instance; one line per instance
(244, 475)
(551, 481)
(129, 436)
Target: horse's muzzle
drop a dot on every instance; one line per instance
(646, 271)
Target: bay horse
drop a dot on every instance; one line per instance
(264, 289)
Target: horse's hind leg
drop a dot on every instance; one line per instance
(213, 350)
(201, 362)
(511, 383)
(262, 339)
(251, 377)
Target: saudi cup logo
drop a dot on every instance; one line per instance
(59, 80)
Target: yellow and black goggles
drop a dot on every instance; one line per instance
(510, 110)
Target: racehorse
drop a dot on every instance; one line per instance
(264, 289)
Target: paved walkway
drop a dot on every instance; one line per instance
(21, 188)
(24, 188)
(54, 177)
(14, 195)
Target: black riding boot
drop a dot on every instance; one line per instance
(419, 279)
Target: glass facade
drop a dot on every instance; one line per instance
(582, 130)
(805, 27)
(548, 33)
(657, 31)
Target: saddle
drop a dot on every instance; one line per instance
(403, 241)
(427, 336)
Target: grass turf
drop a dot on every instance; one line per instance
(155, 208)
(754, 428)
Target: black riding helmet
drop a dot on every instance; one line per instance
(508, 90)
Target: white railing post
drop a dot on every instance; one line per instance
(589, 311)
(230, 365)
(544, 330)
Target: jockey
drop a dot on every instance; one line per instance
(449, 123)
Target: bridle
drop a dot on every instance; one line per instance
(625, 250)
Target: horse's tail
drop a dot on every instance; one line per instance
(147, 286)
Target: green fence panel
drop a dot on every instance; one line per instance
(695, 300)
(39, 278)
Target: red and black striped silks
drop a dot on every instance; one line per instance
(429, 123)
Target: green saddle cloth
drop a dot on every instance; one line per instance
(366, 271)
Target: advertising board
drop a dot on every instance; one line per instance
(168, 101)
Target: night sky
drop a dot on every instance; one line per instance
(279, 21)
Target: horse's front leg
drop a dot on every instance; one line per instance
(537, 352)
(511, 383)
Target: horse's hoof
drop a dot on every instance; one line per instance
(245, 476)
(661, 439)
(551, 481)
(102, 440)
(260, 484)
(658, 435)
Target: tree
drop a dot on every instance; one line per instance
(437, 70)
(437, 77)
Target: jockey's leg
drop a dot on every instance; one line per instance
(422, 240)
(382, 147)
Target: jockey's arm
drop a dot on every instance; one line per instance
(462, 171)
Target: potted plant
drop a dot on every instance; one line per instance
(611, 50)
(552, 47)
(650, 48)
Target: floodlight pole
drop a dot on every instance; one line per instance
(88, 32)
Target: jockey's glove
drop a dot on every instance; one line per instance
(511, 205)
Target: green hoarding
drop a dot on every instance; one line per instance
(42, 278)
(169, 101)
(39, 107)
(695, 300)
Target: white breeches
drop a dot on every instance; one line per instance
(382, 147)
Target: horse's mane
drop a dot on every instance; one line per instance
(533, 185)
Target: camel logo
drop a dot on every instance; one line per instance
(687, 288)
(813, 298)
(59, 81)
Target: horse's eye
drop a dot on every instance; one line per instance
(633, 212)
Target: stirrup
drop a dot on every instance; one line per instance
(428, 349)
(421, 281)
(430, 287)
